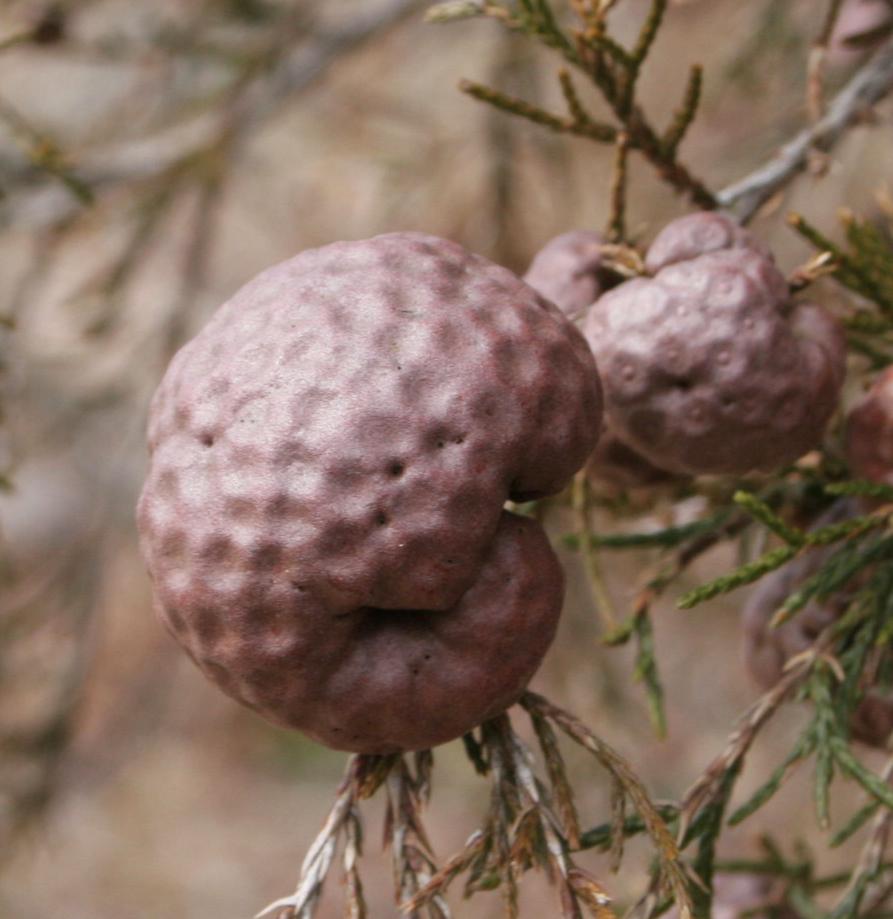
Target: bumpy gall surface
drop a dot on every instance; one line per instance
(767, 650)
(707, 367)
(568, 271)
(323, 514)
(869, 432)
(700, 234)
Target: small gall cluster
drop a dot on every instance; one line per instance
(570, 271)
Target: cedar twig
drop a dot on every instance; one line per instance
(532, 822)
(709, 784)
(522, 830)
(581, 502)
(686, 112)
(318, 860)
(851, 529)
(620, 770)
(584, 127)
(865, 268)
(562, 790)
(870, 866)
(411, 852)
(871, 83)
(363, 776)
(353, 849)
(615, 71)
(574, 884)
(458, 864)
(815, 87)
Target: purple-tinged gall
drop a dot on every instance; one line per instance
(323, 513)
(869, 432)
(706, 366)
(568, 270)
(699, 234)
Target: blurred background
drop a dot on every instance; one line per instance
(153, 157)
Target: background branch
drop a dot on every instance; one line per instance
(868, 86)
(149, 157)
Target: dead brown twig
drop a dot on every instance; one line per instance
(363, 777)
(815, 86)
(739, 743)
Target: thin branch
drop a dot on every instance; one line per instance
(667, 850)
(259, 100)
(364, 774)
(195, 262)
(614, 70)
(867, 87)
(582, 128)
(43, 154)
(871, 862)
(815, 78)
(413, 861)
(685, 115)
(617, 219)
(581, 495)
(319, 857)
(17, 38)
(649, 30)
(709, 783)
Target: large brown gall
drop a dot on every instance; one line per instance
(323, 516)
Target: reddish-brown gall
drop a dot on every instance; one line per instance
(568, 270)
(869, 432)
(707, 367)
(330, 458)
